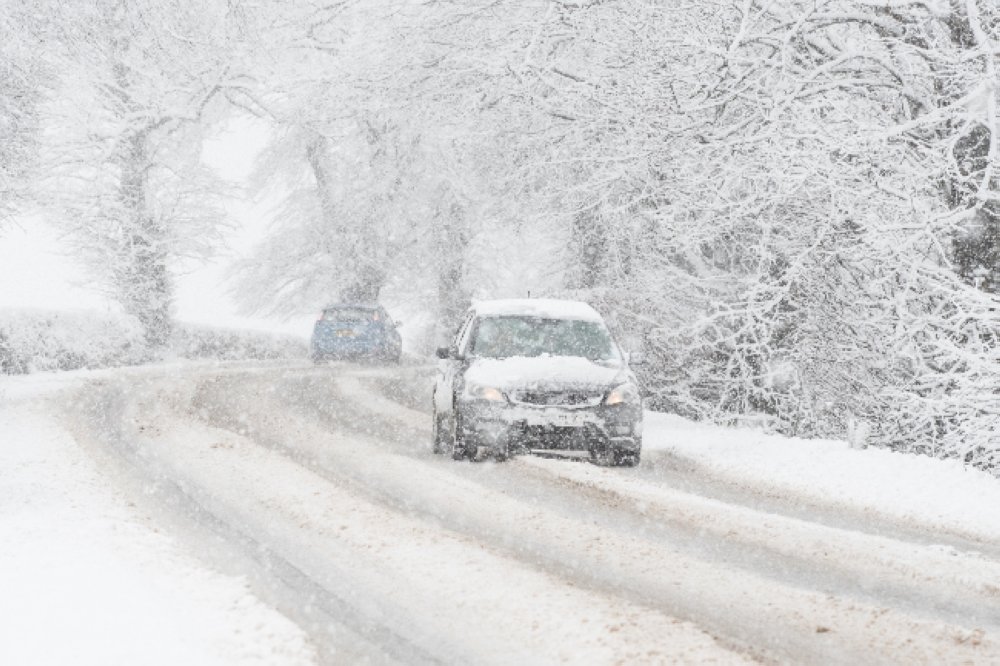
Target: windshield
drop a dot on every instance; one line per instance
(500, 337)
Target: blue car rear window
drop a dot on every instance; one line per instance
(350, 315)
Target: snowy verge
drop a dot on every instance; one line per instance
(933, 493)
(34, 341)
(40, 340)
(87, 580)
(21, 388)
(204, 342)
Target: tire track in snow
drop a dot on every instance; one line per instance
(99, 417)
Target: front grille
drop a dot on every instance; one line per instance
(557, 437)
(559, 398)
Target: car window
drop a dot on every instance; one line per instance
(350, 315)
(501, 337)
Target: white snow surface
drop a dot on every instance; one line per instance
(933, 493)
(552, 308)
(520, 371)
(86, 579)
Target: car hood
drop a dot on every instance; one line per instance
(545, 372)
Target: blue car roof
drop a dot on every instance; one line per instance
(363, 306)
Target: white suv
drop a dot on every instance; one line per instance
(530, 374)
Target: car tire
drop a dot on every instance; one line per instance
(601, 455)
(629, 457)
(438, 443)
(607, 455)
(459, 451)
(626, 458)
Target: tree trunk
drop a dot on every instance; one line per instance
(363, 277)
(140, 274)
(589, 245)
(977, 251)
(453, 297)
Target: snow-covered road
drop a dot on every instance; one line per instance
(317, 487)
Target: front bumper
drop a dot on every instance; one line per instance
(518, 426)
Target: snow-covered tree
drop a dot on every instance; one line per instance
(23, 78)
(826, 220)
(332, 158)
(138, 78)
(380, 154)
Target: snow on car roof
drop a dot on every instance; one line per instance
(538, 307)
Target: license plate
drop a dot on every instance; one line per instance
(345, 334)
(564, 419)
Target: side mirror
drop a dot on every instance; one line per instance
(443, 352)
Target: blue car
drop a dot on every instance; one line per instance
(355, 331)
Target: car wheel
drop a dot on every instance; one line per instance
(602, 454)
(626, 458)
(439, 444)
(459, 451)
(629, 457)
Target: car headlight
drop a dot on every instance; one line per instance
(627, 393)
(488, 393)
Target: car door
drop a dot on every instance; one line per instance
(449, 369)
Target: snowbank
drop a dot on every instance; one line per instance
(940, 494)
(203, 342)
(38, 341)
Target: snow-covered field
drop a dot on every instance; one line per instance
(121, 488)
